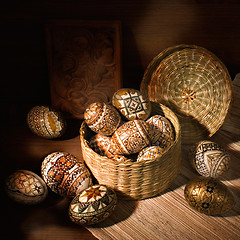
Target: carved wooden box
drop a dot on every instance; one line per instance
(84, 59)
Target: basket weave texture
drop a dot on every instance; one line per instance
(136, 180)
(195, 84)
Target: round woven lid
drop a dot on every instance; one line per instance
(195, 84)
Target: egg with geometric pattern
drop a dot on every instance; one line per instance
(132, 104)
(150, 153)
(210, 159)
(99, 143)
(65, 174)
(130, 138)
(209, 195)
(102, 118)
(162, 131)
(93, 205)
(46, 122)
(26, 187)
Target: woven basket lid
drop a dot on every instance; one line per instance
(195, 84)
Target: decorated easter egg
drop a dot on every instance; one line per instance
(46, 122)
(210, 159)
(208, 195)
(93, 205)
(117, 157)
(102, 118)
(99, 143)
(162, 131)
(130, 138)
(150, 153)
(26, 187)
(132, 104)
(65, 174)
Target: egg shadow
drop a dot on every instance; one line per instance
(123, 211)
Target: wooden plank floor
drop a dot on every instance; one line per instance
(167, 216)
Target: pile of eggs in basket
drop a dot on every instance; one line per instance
(125, 128)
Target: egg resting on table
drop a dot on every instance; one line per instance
(162, 131)
(46, 122)
(132, 104)
(65, 174)
(208, 195)
(102, 118)
(93, 205)
(130, 138)
(150, 153)
(210, 159)
(26, 187)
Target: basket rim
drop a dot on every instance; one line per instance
(129, 162)
(172, 49)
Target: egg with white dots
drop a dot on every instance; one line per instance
(65, 174)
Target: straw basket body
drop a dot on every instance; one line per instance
(195, 84)
(136, 180)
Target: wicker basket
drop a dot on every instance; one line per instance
(195, 84)
(136, 180)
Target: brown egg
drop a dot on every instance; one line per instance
(150, 153)
(65, 174)
(93, 205)
(99, 144)
(46, 122)
(102, 118)
(208, 195)
(26, 187)
(162, 131)
(132, 104)
(131, 137)
(210, 159)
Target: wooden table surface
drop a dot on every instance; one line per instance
(167, 216)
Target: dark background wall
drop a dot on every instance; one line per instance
(148, 27)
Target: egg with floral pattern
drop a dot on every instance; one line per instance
(209, 195)
(26, 187)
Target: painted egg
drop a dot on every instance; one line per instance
(102, 118)
(208, 195)
(132, 104)
(162, 131)
(209, 159)
(46, 122)
(150, 153)
(65, 174)
(130, 138)
(26, 187)
(93, 205)
(117, 157)
(99, 143)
